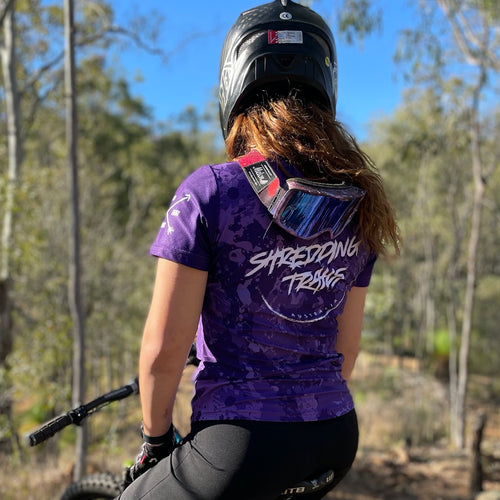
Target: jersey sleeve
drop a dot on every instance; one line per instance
(189, 227)
(365, 275)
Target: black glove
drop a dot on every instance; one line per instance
(152, 451)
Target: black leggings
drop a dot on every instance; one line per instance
(248, 460)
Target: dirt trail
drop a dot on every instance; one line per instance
(430, 474)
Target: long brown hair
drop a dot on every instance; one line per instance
(310, 138)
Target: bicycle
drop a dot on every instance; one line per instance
(104, 485)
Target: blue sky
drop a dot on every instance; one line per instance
(368, 86)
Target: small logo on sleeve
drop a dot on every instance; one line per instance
(174, 211)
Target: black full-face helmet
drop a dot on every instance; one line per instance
(271, 50)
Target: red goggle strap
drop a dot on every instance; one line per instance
(261, 177)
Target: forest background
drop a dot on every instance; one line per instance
(438, 152)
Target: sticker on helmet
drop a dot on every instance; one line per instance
(286, 36)
(286, 16)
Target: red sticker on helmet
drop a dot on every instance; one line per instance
(284, 36)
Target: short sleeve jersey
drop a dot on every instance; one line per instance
(267, 333)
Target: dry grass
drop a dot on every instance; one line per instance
(397, 404)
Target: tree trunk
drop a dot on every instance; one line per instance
(476, 474)
(470, 287)
(453, 292)
(12, 111)
(74, 286)
(477, 51)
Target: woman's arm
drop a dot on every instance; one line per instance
(168, 334)
(350, 323)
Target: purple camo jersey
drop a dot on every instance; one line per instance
(267, 334)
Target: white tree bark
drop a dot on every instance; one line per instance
(74, 284)
(14, 159)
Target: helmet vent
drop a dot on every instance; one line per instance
(248, 41)
(286, 60)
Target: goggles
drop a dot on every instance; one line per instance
(303, 208)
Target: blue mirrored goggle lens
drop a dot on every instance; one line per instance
(307, 215)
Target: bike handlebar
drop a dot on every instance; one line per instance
(76, 415)
(49, 429)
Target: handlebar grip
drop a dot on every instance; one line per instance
(123, 392)
(49, 429)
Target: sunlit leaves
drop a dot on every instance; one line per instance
(357, 19)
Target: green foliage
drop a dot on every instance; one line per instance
(423, 155)
(442, 344)
(485, 338)
(358, 19)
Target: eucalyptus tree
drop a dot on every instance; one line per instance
(14, 158)
(453, 49)
(477, 34)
